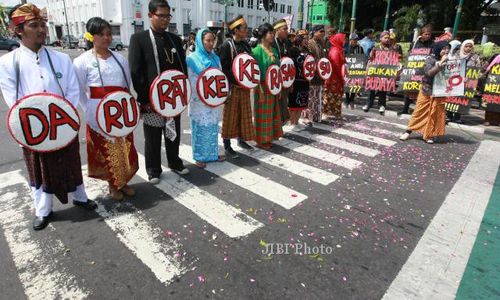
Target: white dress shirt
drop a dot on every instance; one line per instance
(36, 75)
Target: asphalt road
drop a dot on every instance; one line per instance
(352, 190)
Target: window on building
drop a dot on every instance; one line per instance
(250, 4)
(259, 3)
(115, 30)
(282, 8)
(241, 3)
(275, 7)
(289, 10)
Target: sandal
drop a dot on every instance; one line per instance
(200, 164)
(128, 191)
(116, 194)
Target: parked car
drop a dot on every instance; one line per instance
(116, 44)
(66, 41)
(8, 44)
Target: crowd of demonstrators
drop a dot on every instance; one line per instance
(33, 69)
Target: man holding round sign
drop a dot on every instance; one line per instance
(282, 45)
(243, 73)
(151, 53)
(42, 90)
(111, 112)
(212, 91)
(267, 105)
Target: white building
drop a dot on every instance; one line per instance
(129, 16)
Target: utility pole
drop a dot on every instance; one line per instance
(67, 23)
(353, 16)
(386, 21)
(300, 17)
(341, 22)
(457, 18)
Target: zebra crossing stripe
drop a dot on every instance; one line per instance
(259, 185)
(436, 265)
(356, 135)
(37, 267)
(375, 129)
(336, 143)
(295, 167)
(229, 220)
(320, 154)
(145, 240)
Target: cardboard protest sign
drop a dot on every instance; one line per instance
(274, 80)
(309, 68)
(246, 71)
(491, 93)
(117, 114)
(382, 71)
(450, 81)
(170, 93)
(462, 104)
(288, 71)
(410, 79)
(324, 68)
(356, 73)
(43, 122)
(212, 87)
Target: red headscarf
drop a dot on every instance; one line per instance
(337, 58)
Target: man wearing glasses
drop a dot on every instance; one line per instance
(150, 53)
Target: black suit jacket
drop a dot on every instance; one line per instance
(142, 60)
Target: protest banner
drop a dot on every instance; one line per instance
(491, 93)
(118, 114)
(212, 87)
(170, 93)
(450, 81)
(246, 71)
(356, 73)
(410, 79)
(382, 71)
(461, 105)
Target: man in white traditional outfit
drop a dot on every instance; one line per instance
(32, 69)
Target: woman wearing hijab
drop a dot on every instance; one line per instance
(299, 97)
(204, 119)
(267, 107)
(429, 115)
(334, 86)
(472, 60)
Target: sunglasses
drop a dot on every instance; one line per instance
(165, 17)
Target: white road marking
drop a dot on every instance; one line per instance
(38, 270)
(336, 143)
(333, 158)
(436, 266)
(290, 165)
(231, 221)
(139, 235)
(356, 135)
(259, 185)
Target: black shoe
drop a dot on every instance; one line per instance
(231, 153)
(244, 145)
(89, 205)
(181, 171)
(40, 223)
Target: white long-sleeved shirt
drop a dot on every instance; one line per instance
(36, 76)
(88, 76)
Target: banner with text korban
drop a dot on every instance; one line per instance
(356, 73)
(491, 94)
(410, 79)
(382, 71)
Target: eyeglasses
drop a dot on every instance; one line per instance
(165, 17)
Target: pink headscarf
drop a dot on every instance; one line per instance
(494, 62)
